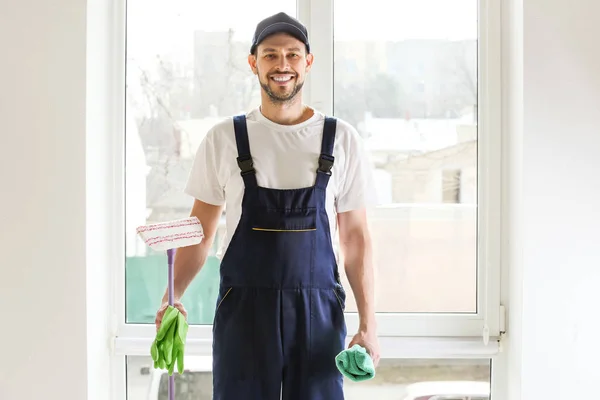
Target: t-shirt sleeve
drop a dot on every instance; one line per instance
(203, 181)
(357, 188)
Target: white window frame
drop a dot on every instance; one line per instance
(485, 323)
(424, 335)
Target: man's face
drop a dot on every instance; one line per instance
(281, 64)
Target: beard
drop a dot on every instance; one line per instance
(281, 98)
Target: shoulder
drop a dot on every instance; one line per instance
(220, 136)
(351, 148)
(220, 130)
(348, 141)
(346, 132)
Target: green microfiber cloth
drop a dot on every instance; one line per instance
(355, 364)
(169, 345)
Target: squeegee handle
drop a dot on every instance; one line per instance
(170, 258)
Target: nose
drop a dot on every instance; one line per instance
(283, 63)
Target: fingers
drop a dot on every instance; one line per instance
(181, 308)
(375, 357)
(371, 348)
(161, 312)
(159, 316)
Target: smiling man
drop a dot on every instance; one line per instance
(281, 85)
(291, 179)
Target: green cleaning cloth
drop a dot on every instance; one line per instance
(355, 364)
(168, 347)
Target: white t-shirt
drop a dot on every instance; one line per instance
(285, 157)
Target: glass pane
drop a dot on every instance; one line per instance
(407, 80)
(186, 68)
(394, 380)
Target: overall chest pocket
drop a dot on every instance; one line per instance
(285, 220)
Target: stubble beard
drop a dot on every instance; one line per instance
(281, 99)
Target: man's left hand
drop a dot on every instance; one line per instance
(368, 339)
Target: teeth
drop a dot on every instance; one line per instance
(282, 78)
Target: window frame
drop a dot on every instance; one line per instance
(485, 323)
(415, 335)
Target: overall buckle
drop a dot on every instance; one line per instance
(246, 165)
(326, 163)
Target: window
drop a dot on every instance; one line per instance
(451, 186)
(422, 90)
(425, 249)
(396, 379)
(420, 83)
(180, 81)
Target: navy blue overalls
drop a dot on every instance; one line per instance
(279, 319)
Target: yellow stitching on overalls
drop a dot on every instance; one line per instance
(283, 230)
(224, 297)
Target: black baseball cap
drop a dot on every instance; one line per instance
(280, 23)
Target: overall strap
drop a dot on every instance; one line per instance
(244, 158)
(326, 158)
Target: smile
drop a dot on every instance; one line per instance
(282, 78)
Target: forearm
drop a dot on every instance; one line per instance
(187, 264)
(189, 260)
(358, 264)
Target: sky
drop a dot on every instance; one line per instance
(156, 25)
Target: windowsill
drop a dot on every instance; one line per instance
(391, 347)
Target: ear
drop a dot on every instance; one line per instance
(252, 63)
(310, 58)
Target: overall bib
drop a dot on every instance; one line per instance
(279, 320)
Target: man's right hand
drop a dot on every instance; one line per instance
(163, 308)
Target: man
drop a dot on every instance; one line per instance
(289, 178)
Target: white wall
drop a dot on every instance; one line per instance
(42, 203)
(554, 253)
(512, 264)
(46, 351)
